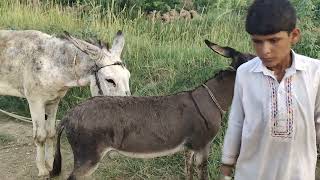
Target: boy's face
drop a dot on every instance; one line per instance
(274, 49)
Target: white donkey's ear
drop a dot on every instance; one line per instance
(93, 51)
(117, 44)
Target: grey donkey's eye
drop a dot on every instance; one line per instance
(111, 81)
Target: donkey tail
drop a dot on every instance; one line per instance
(56, 170)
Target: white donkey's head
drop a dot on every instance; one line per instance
(109, 76)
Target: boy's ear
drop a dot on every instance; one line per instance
(295, 36)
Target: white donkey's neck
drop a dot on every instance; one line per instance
(80, 67)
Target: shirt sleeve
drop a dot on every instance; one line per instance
(317, 114)
(232, 139)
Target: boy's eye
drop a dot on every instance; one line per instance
(256, 41)
(273, 41)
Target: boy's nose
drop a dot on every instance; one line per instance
(266, 49)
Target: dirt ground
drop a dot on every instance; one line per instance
(17, 152)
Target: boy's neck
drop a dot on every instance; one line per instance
(280, 69)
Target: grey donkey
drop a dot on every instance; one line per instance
(147, 127)
(41, 68)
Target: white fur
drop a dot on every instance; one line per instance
(41, 68)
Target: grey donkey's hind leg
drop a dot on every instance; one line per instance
(201, 161)
(188, 155)
(84, 166)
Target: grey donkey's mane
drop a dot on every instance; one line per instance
(220, 75)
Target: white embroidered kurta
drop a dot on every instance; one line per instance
(271, 128)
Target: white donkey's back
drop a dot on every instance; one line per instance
(24, 58)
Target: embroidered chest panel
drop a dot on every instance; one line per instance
(281, 107)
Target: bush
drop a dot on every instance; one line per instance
(144, 5)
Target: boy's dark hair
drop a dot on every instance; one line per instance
(270, 16)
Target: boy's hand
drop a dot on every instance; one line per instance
(226, 170)
(225, 178)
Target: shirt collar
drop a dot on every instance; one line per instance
(297, 64)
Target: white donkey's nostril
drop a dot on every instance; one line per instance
(128, 93)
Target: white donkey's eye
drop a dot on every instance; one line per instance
(111, 81)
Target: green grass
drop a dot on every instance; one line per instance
(162, 58)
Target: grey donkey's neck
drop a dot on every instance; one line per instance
(221, 86)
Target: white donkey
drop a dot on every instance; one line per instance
(42, 68)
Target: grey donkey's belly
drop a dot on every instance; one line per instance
(145, 155)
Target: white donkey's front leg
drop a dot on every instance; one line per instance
(37, 111)
(51, 111)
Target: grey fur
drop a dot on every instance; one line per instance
(149, 126)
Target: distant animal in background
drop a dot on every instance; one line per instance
(147, 127)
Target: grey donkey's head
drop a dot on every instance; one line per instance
(237, 57)
(109, 76)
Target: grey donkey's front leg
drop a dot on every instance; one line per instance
(188, 155)
(51, 112)
(201, 162)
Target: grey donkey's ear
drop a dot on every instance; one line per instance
(237, 57)
(93, 51)
(223, 51)
(118, 44)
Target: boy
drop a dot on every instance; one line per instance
(271, 131)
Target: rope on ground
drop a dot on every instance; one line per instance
(20, 118)
(15, 146)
